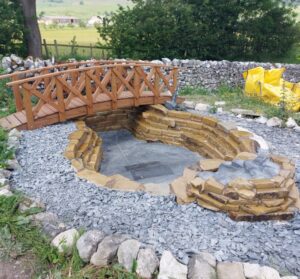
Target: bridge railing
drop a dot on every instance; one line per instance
(114, 85)
(19, 75)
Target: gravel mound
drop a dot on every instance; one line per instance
(158, 221)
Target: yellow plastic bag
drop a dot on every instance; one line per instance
(269, 85)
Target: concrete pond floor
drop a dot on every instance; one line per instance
(142, 161)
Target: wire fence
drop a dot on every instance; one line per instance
(74, 50)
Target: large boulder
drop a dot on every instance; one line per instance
(252, 271)
(200, 268)
(107, 250)
(269, 273)
(228, 270)
(65, 241)
(147, 263)
(87, 244)
(127, 253)
(169, 267)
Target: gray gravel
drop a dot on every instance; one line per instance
(158, 221)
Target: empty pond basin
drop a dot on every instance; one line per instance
(145, 162)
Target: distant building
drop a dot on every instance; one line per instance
(94, 20)
(62, 20)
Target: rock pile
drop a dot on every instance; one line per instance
(212, 74)
(15, 63)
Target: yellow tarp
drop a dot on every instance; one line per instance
(272, 88)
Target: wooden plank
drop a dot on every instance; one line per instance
(114, 90)
(4, 123)
(21, 116)
(17, 95)
(89, 96)
(61, 101)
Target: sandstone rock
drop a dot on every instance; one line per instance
(107, 250)
(198, 268)
(274, 122)
(5, 192)
(87, 244)
(49, 222)
(252, 271)
(210, 164)
(211, 185)
(189, 104)
(202, 107)
(291, 123)
(127, 253)
(64, 241)
(269, 273)
(228, 270)
(261, 120)
(147, 263)
(197, 182)
(179, 188)
(161, 189)
(169, 267)
(245, 156)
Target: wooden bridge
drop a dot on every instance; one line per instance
(55, 94)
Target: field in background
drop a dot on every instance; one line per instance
(74, 8)
(84, 36)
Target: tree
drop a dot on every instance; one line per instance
(32, 31)
(11, 28)
(203, 29)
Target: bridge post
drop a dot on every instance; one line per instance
(28, 109)
(156, 86)
(61, 101)
(17, 95)
(136, 86)
(89, 96)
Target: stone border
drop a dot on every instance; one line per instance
(101, 250)
(275, 198)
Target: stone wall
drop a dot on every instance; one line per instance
(211, 74)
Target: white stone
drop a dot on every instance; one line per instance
(147, 263)
(269, 273)
(220, 103)
(199, 268)
(170, 268)
(202, 107)
(107, 250)
(261, 120)
(274, 122)
(65, 241)
(252, 271)
(289, 277)
(3, 182)
(14, 133)
(291, 123)
(189, 104)
(166, 61)
(87, 244)
(297, 129)
(128, 252)
(228, 270)
(219, 110)
(13, 164)
(5, 192)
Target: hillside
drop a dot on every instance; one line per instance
(82, 9)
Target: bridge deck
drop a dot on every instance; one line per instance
(56, 97)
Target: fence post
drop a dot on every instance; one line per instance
(46, 48)
(91, 49)
(56, 49)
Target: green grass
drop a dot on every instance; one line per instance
(73, 7)
(64, 35)
(235, 98)
(19, 238)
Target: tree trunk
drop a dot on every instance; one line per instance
(32, 35)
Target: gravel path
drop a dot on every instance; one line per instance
(158, 221)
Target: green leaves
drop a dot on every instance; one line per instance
(223, 29)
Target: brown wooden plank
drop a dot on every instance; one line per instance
(21, 116)
(13, 120)
(4, 123)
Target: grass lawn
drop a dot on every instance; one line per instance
(235, 98)
(84, 36)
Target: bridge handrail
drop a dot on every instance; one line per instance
(22, 81)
